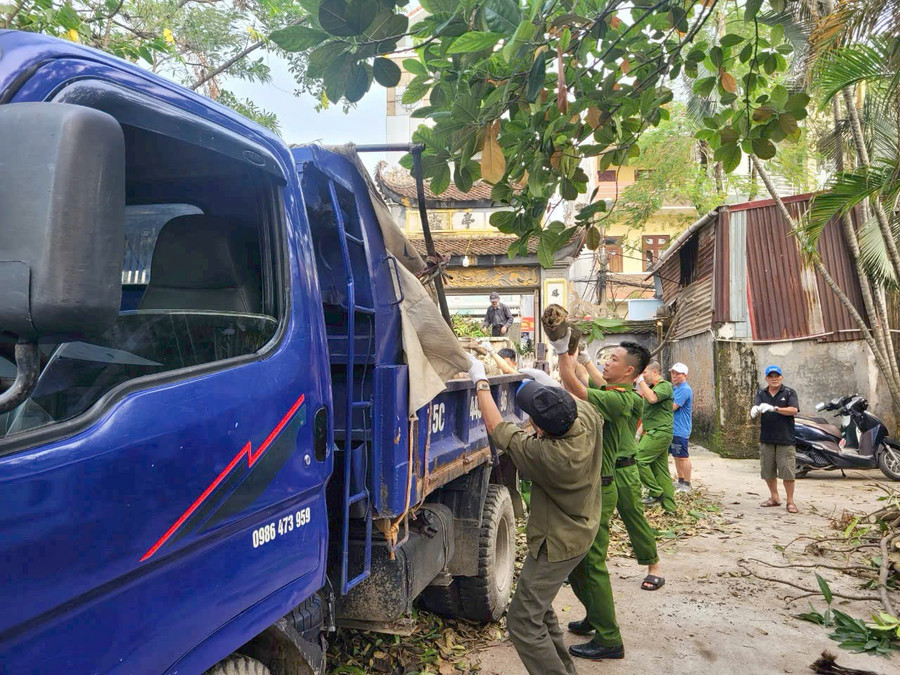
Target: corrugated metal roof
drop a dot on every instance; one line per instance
(737, 271)
(693, 313)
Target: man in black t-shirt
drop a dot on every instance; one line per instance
(777, 406)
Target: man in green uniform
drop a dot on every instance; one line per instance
(590, 580)
(564, 462)
(628, 480)
(653, 449)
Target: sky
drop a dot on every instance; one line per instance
(300, 123)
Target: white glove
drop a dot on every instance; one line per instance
(561, 346)
(583, 357)
(487, 346)
(640, 378)
(476, 369)
(765, 407)
(539, 376)
(754, 411)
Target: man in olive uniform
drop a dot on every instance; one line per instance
(590, 580)
(653, 448)
(564, 462)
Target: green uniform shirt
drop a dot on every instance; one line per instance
(616, 404)
(630, 449)
(565, 491)
(659, 416)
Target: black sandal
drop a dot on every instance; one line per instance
(652, 583)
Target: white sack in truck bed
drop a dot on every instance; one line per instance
(432, 351)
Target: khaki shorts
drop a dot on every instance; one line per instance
(777, 461)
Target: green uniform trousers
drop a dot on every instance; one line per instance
(653, 465)
(533, 628)
(590, 579)
(631, 511)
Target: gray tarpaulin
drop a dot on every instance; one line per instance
(433, 353)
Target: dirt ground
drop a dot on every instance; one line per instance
(707, 619)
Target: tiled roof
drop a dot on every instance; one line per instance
(397, 182)
(471, 245)
(474, 246)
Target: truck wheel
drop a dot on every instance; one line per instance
(238, 664)
(486, 596)
(889, 462)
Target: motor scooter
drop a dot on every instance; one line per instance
(861, 441)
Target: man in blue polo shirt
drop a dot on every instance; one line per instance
(682, 401)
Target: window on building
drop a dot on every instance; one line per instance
(608, 176)
(643, 172)
(652, 247)
(614, 253)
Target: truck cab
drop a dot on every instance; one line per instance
(215, 453)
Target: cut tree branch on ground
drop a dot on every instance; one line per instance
(743, 564)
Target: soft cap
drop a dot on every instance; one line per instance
(552, 408)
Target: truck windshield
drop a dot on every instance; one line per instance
(145, 342)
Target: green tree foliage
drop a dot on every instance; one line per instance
(520, 92)
(195, 42)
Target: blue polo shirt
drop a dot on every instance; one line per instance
(684, 397)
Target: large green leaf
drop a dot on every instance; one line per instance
(346, 18)
(387, 25)
(475, 41)
(386, 72)
(440, 178)
(545, 250)
(359, 79)
(502, 16)
(763, 148)
(298, 38)
(416, 89)
(536, 77)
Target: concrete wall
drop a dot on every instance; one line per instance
(817, 371)
(696, 352)
(821, 371)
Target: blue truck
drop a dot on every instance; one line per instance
(207, 460)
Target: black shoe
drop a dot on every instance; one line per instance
(647, 501)
(580, 627)
(596, 652)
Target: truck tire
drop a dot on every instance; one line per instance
(308, 618)
(889, 461)
(238, 664)
(486, 596)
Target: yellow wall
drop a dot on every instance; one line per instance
(667, 221)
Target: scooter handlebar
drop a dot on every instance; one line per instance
(820, 406)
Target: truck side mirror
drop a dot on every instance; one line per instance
(62, 212)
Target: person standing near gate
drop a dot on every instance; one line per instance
(777, 405)
(498, 318)
(565, 460)
(657, 421)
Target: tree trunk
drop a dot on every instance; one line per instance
(877, 322)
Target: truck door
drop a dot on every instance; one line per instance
(164, 486)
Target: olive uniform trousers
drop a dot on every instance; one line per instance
(653, 466)
(533, 627)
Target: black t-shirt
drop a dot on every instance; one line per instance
(774, 427)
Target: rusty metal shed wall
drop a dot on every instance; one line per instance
(721, 282)
(706, 251)
(832, 247)
(694, 311)
(777, 303)
(670, 275)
